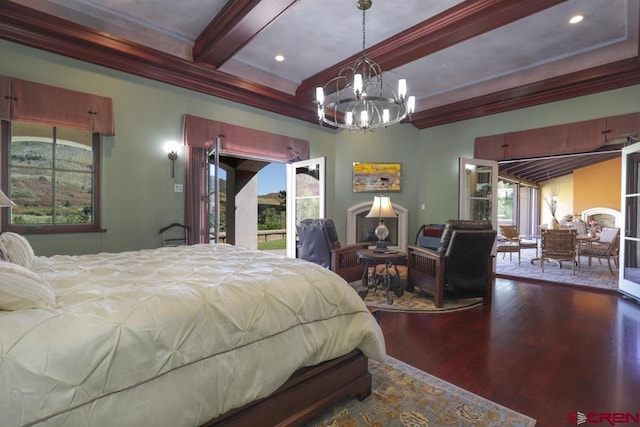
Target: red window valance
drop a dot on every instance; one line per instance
(243, 142)
(5, 98)
(22, 100)
(578, 137)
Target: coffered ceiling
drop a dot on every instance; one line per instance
(462, 59)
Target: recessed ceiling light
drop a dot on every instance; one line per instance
(279, 58)
(576, 19)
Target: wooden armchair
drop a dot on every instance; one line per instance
(606, 247)
(461, 266)
(318, 243)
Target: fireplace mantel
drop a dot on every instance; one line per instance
(365, 207)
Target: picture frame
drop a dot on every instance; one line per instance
(377, 177)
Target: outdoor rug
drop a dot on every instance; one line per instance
(405, 396)
(415, 302)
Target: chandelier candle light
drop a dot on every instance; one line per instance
(381, 208)
(363, 100)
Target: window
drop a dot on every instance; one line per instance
(507, 192)
(51, 173)
(518, 204)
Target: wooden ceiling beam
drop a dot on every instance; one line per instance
(463, 21)
(42, 31)
(585, 82)
(235, 26)
(541, 170)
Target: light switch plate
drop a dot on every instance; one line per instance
(177, 188)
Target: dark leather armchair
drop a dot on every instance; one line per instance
(318, 243)
(461, 266)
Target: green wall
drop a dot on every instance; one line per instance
(441, 146)
(137, 189)
(397, 144)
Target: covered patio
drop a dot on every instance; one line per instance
(596, 276)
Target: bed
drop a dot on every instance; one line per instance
(183, 336)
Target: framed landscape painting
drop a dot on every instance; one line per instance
(377, 177)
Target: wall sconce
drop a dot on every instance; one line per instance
(172, 148)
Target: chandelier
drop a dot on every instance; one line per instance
(363, 100)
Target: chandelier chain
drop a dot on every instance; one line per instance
(364, 33)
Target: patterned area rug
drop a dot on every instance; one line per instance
(415, 302)
(405, 396)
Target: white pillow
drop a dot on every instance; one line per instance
(21, 288)
(16, 249)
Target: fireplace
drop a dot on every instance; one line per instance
(360, 228)
(605, 217)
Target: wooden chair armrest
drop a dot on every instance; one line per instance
(351, 248)
(424, 252)
(345, 261)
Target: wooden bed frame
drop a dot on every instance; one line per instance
(307, 393)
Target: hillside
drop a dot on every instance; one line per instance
(270, 199)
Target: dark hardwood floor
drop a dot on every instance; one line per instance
(543, 350)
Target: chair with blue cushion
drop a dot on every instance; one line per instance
(428, 236)
(318, 243)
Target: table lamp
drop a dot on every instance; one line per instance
(381, 208)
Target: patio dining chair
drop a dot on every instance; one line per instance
(509, 242)
(605, 247)
(581, 227)
(558, 246)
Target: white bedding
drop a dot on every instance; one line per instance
(172, 336)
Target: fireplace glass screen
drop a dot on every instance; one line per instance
(365, 228)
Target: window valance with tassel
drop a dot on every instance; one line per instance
(243, 142)
(22, 100)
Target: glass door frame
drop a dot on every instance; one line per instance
(465, 199)
(629, 275)
(293, 197)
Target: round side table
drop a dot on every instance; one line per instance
(390, 258)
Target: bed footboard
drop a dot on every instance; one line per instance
(307, 393)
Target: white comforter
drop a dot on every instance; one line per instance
(172, 336)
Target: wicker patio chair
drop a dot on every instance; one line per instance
(558, 246)
(606, 247)
(581, 227)
(509, 242)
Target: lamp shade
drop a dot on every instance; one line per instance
(381, 208)
(5, 201)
